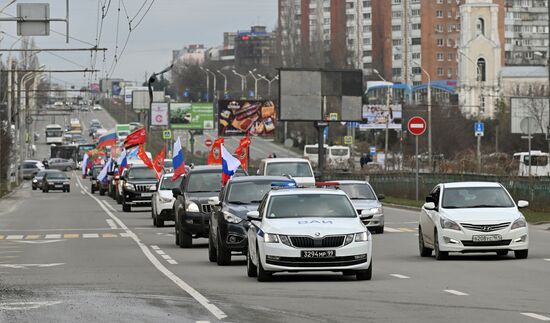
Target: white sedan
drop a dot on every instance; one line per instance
(163, 201)
(472, 217)
(307, 230)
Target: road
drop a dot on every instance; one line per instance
(76, 256)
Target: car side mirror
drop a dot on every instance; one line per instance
(253, 216)
(429, 206)
(214, 201)
(522, 204)
(429, 199)
(381, 197)
(176, 191)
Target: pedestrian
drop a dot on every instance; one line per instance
(274, 155)
(45, 163)
(363, 160)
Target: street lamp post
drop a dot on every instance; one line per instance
(207, 83)
(386, 140)
(224, 82)
(152, 80)
(548, 87)
(269, 83)
(429, 113)
(215, 82)
(256, 79)
(243, 82)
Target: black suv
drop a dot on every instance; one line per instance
(191, 208)
(228, 224)
(140, 184)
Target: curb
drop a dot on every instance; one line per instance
(17, 188)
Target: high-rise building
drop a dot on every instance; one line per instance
(254, 47)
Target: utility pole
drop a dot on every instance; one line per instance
(207, 83)
(548, 87)
(224, 82)
(215, 96)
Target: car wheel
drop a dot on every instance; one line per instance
(186, 240)
(251, 269)
(68, 169)
(69, 190)
(502, 253)
(224, 256)
(521, 254)
(439, 255)
(365, 274)
(46, 190)
(34, 188)
(101, 192)
(424, 252)
(177, 234)
(380, 230)
(212, 252)
(263, 276)
(160, 223)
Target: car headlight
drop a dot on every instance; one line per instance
(349, 239)
(192, 207)
(165, 200)
(519, 223)
(448, 224)
(153, 188)
(375, 210)
(285, 240)
(66, 183)
(362, 236)
(129, 186)
(35, 180)
(231, 218)
(271, 238)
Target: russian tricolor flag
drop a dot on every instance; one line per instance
(122, 162)
(178, 160)
(107, 140)
(230, 165)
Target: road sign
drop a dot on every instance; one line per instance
(416, 126)
(166, 134)
(372, 150)
(333, 116)
(348, 140)
(159, 114)
(208, 142)
(479, 129)
(529, 125)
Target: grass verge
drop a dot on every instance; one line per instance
(531, 216)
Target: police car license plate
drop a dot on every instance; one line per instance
(487, 238)
(318, 253)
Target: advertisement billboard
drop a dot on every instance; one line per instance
(128, 93)
(191, 116)
(140, 99)
(374, 116)
(116, 88)
(535, 107)
(159, 114)
(237, 117)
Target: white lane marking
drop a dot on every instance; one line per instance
(172, 262)
(537, 316)
(53, 230)
(400, 276)
(166, 257)
(126, 235)
(14, 237)
(155, 247)
(82, 192)
(218, 313)
(20, 306)
(40, 241)
(391, 229)
(26, 266)
(111, 223)
(160, 252)
(90, 235)
(53, 236)
(110, 206)
(547, 259)
(203, 322)
(455, 292)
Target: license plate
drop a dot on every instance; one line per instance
(487, 238)
(59, 186)
(318, 253)
(146, 194)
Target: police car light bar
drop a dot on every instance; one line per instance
(279, 185)
(327, 184)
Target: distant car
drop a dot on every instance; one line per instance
(298, 168)
(135, 125)
(228, 222)
(97, 185)
(365, 201)
(39, 178)
(84, 108)
(56, 181)
(97, 108)
(29, 168)
(61, 164)
(472, 217)
(163, 200)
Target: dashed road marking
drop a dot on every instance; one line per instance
(172, 262)
(163, 254)
(537, 316)
(109, 235)
(111, 223)
(53, 236)
(90, 235)
(400, 276)
(547, 259)
(32, 237)
(455, 292)
(14, 237)
(82, 192)
(155, 247)
(391, 230)
(71, 235)
(26, 266)
(21, 306)
(406, 230)
(109, 206)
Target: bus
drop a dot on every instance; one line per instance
(75, 125)
(64, 151)
(54, 134)
(539, 163)
(83, 149)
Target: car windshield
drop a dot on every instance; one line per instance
(310, 205)
(248, 192)
(40, 174)
(536, 160)
(56, 175)
(54, 133)
(168, 184)
(338, 152)
(358, 191)
(168, 164)
(204, 182)
(294, 169)
(475, 197)
(142, 173)
(123, 133)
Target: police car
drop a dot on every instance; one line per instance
(307, 229)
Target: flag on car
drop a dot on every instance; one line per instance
(215, 157)
(143, 156)
(158, 162)
(243, 150)
(178, 160)
(84, 164)
(108, 139)
(103, 174)
(122, 162)
(137, 137)
(230, 164)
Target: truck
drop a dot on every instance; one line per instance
(64, 151)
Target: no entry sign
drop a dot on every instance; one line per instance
(208, 142)
(416, 126)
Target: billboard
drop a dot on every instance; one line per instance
(116, 88)
(536, 107)
(159, 114)
(237, 117)
(128, 92)
(140, 99)
(191, 116)
(374, 116)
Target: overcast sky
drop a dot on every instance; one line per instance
(170, 24)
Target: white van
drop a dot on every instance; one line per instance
(338, 157)
(539, 163)
(298, 168)
(311, 153)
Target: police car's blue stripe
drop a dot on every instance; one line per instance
(260, 233)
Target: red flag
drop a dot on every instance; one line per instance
(137, 137)
(242, 151)
(143, 156)
(215, 157)
(158, 162)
